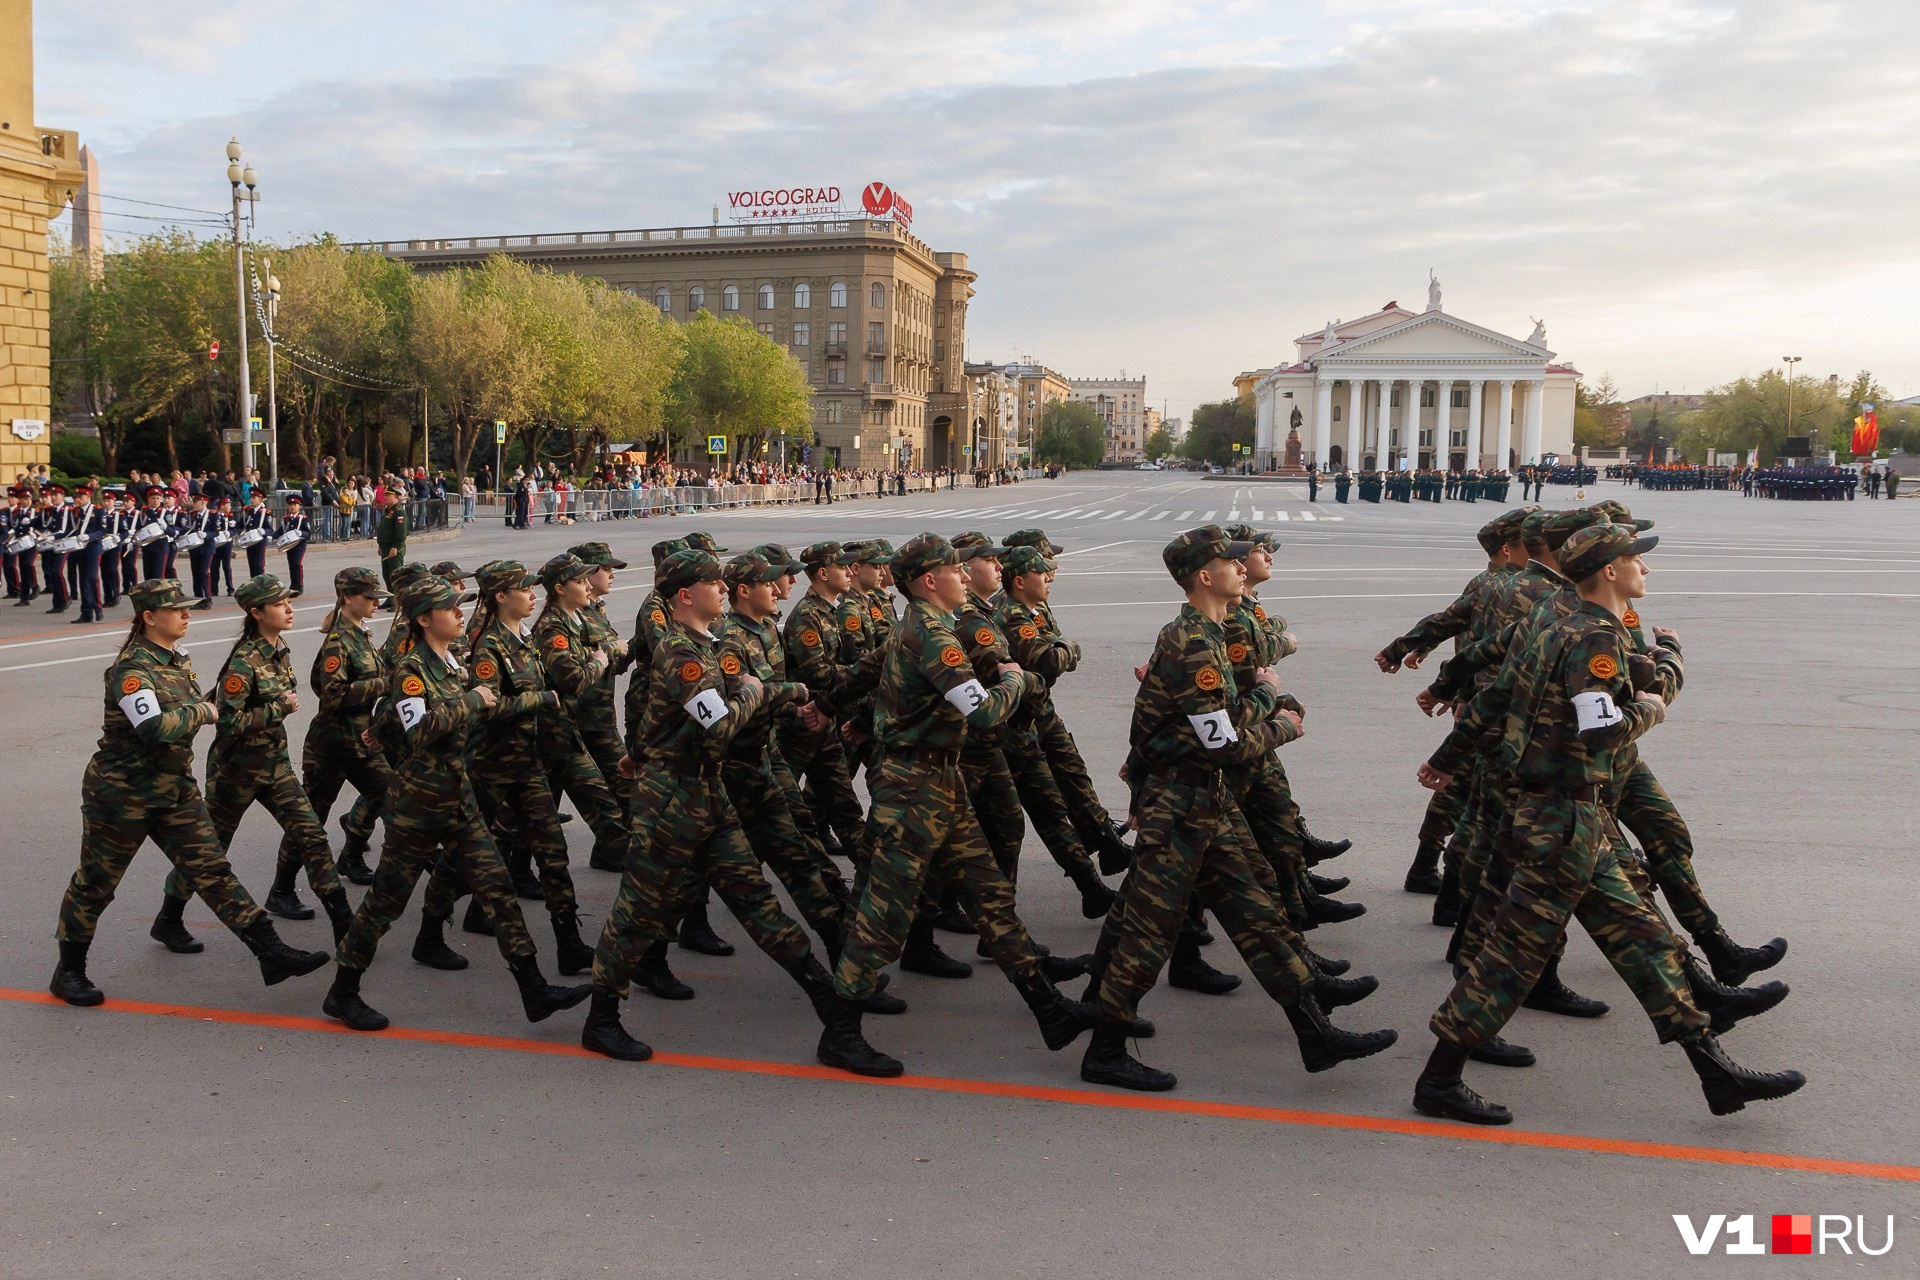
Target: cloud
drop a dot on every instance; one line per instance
(1680, 186)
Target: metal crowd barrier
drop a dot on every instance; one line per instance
(333, 525)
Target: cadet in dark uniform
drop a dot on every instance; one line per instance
(297, 521)
(90, 523)
(256, 519)
(223, 530)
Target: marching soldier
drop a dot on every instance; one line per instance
(817, 658)
(256, 520)
(594, 713)
(573, 664)
(54, 523)
(221, 568)
(297, 521)
(390, 535)
(91, 523)
(197, 536)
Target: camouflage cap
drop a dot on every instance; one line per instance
(661, 550)
(158, 593)
(1533, 527)
(449, 570)
(1490, 538)
(408, 574)
(597, 554)
(1018, 560)
(922, 554)
(564, 567)
(978, 544)
(1508, 526)
(684, 568)
(704, 542)
(1264, 539)
(504, 575)
(424, 595)
(1032, 538)
(358, 580)
(752, 568)
(1595, 547)
(1561, 525)
(1197, 548)
(869, 551)
(821, 554)
(775, 553)
(1616, 512)
(261, 590)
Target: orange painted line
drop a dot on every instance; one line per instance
(1041, 1093)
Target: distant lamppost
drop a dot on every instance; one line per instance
(239, 177)
(1791, 361)
(270, 303)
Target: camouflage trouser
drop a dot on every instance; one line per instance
(462, 844)
(600, 734)
(1647, 811)
(802, 814)
(1444, 808)
(995, 801)
(820, 760)
(1265, 798)
(766, 818)
(1070, 772)
(1040, 795)
(924, 827)
(1567, 870)
(1486, 867)
(571, 772)
(520, 807)
(692, 838)
(117, 814)
(323, 769)
(1192, 839)
(232, 788)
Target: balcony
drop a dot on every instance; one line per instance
(836, 351)
(879, 392)
(876, 348)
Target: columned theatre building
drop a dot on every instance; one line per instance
(876, 317)
(1398, 389)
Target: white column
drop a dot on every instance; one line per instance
(1503, 427)
(1536, 417)
(1382, 417)
(1474, 406)
(1356, 405)
(1263, 426)
(1410, 431)
(1322, 420)
(1442, 423)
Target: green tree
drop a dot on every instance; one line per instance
(732, 381)
(1215, 428)
(1751, 413)
(1159, 445)
(476, 369)
(1600, 421)
(1070, 433)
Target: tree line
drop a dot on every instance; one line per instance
(370, 356)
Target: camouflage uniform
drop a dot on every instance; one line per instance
(1260, 787)
(593, 710)
(139, 784)
(818, 658)
(564, 645)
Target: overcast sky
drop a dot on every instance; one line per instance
(1684, 190)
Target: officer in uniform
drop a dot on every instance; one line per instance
(256, 517)
(297, 519)
(200, 522)
(390, 536)
(92, 523)
(221, 566)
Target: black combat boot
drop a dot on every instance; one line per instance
(343, 1002)
(1330, 992)
(475, 920)
(1502, 1053)
(1326, 884)
(1326, 964)
(526, 881)
(1108, 1062)
(352, 866)
(842, 1045)
(1733, 964)
(1060, 968)
(1095, 897)
(950, 916)
(1061, 1020)
(1424, 875)
(1446, 904)
(170, 929)
(1550, 995)
(1116, 855)
(653, 974)
(1324, 1046)
(1139, 1028)
(1725, 1005)
(696, 934)
(923, 955)
(431, 948)
(70, 977)
(283, 899)
(278, 961)
(1324, 910)
(570, 954)
(1441, 1092)
(339, 913)
(540, 998)
(604, 1034)
(1191, 973)
(1728, 1085)
(1316, 850)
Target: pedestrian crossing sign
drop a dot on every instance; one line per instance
(499, 432)
(716, 445)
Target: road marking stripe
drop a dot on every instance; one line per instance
(1208, 518)
(1186, 515)
(1162, 515)
(1036, 1093)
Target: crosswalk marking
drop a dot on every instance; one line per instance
(1115, 515)
(1233, 514)
(1186, 515)
(1308, 515)
(1208, 518)
(1259, 515)
(1281, 516)
(1162, 515)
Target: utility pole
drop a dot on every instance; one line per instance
(238, 177)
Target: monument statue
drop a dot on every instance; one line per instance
(1539, 335)
(1433, 291)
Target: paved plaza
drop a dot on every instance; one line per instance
(200, 1124)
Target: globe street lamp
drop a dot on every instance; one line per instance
(1791, 361)
(271, 305)
(239, 177)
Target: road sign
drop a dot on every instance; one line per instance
(213, 352)
(966, 451)
(499, 432)
(716, 445)
(253, 425)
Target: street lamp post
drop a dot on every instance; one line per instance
(239, 177)
(1791, 361)
(272, 304)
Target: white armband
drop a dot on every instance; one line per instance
(707, 707)
(1214, 729)
(140, 706)
(965, 697)
(411, 711)
(1595, 710)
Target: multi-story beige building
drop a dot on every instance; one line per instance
(996, 437)
(876, 317)
(1122, 404)
(39, 170)
(1033, 387)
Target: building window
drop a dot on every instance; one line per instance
(833, 412)
(766, 297)
(939, 317)
(1393, 399)
(837, 335)
(876, 336)
(836, 372)
(730, 298)
(1427, 396)
(696, 298)
(1336, 413)
(876, 371)
(837, 295)
(877, 296)
(1459, 402)
(802, 297)
(939, 351)
(1426, 438)
(766, 329)
(802, 334)
(1458, 439)
(663, 299)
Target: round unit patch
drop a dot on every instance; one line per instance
(413, 686)
(1207, 678)
(810, 638)
(853, 622)
(659, 618)
(1631, 618)
(234, 684)
(1028, 631)
(952, 656)
(983, 636)
(559, 642)
(730, 665)
(130, 685)
(1259, 613)
(1603, 667)
(485, 669)
(1237, 652)
(691, 671)
(332, 664)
